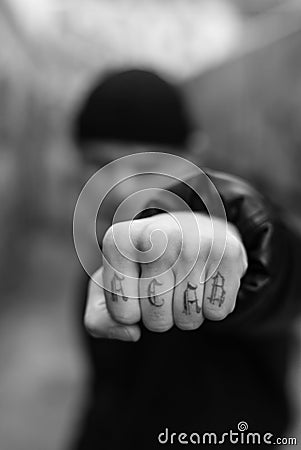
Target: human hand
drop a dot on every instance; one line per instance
(165, 270)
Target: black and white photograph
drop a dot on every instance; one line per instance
(150, 224)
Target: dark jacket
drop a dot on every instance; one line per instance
(213, 378)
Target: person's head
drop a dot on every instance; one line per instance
(130, 112)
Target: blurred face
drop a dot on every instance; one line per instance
(98, 155)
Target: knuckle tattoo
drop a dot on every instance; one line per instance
(217, 292)
(153, 298)
(117, 291)
(191, 300)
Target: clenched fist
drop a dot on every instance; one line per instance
(165, 270)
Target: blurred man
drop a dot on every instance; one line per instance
(195, 358)
(127, 113)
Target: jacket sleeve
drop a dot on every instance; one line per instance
(269, 297)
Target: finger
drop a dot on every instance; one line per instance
(120, 276)
(188, 301)
(156, 293)
(98, 321)
(220, 292)
(223, 280)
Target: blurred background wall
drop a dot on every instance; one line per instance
(250, 106)
(239, 65)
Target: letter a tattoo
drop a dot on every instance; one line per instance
(217, 292)
(117, 289)
(190, 299)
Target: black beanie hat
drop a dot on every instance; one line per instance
(133, 106)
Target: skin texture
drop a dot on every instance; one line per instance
(164, 271)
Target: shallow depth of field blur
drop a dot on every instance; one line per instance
(239, 64)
